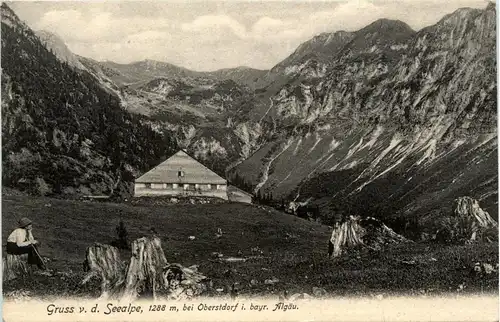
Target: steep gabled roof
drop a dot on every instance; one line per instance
(194, 172)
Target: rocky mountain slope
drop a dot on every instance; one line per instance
(57, 46)
(201, 108)
(400, 124)
(384, 121)
(62, 132)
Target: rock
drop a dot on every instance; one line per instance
(254, 282)
(271, 281)
(233, 259)
(19, 295)
(300, 296)
(194, 267)
(319, 292)
(488, 268)
(410, 262)
(191, 238)
(184, 283)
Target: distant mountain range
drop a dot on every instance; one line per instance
(62, 132)
(383, 121)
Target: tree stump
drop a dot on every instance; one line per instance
(104, 261)
(144, 273)
(366, 232)
(15, 266)
(147, 275)
(471, 220)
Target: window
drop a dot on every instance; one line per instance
(148, 185)
(180, 174)
(175, 186)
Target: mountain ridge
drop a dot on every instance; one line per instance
(390, 118)
(62, 133)
(387, 118)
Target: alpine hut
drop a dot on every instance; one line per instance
(181, 175)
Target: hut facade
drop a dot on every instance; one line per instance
(181, 175)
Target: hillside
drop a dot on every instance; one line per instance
(144, 71)
(384, 120)
(398, 126)
(62, 132)
(276, 246)
(59, 48)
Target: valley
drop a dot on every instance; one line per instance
(381, 125)
(383, 121)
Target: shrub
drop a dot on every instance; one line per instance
(121, 242)
(41, 188)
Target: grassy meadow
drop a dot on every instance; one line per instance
(289, 250)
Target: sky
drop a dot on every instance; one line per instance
(209, 35)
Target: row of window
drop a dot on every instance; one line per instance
(185, 186)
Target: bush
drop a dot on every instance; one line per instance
(41, 188)
(121, 242)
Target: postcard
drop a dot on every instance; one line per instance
(249, 160)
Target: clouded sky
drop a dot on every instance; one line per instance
(208, 35)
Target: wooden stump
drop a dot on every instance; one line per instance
(366, 232)
(104, 261)
(147, 275)
(144, 273)
(471, 219)
(15, 266)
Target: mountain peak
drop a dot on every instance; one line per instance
(388, 25)
(57, 45)
(9, 17)
(6, 8)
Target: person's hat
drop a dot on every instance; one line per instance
(23, 222)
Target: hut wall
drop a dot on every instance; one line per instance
(181, 190)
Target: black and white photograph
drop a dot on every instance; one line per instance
(181, 153)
